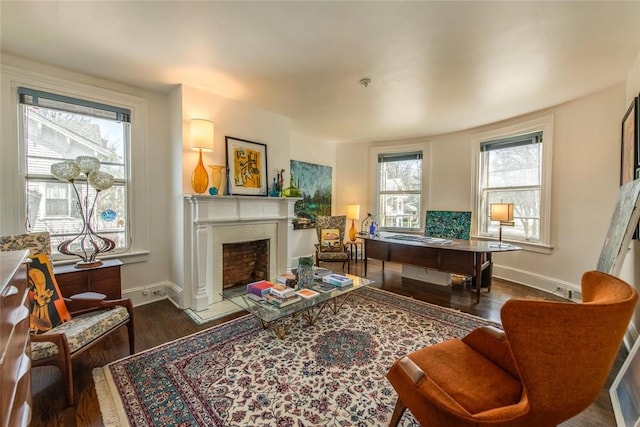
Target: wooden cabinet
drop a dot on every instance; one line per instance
(104, 279)
(15, 356)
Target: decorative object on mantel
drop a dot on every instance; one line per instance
(201, 140)
(247, 164)
(218, 180)
(314, 185)
(291, 190)
(353, 213)
(276, 188)
(87, 244)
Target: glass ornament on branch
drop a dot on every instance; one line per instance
(87, 244)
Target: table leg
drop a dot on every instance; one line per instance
(478, 277)
(488, 272)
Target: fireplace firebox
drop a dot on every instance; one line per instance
(245, 262)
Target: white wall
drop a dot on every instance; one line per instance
(585, 179)
(352, 179)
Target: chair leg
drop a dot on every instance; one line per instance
(132, 337)
(67, 375)
(130, 328)
(63, 363)
(398, 411)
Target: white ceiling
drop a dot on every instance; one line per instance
(436, 67)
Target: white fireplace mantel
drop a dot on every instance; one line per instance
(211, 221)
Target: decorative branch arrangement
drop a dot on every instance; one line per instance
(87, 244)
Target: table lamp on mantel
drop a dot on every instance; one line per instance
(353, 213)
(502, 212)
(201, 140)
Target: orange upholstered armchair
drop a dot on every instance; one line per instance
(549, 364)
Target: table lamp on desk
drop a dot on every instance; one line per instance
(502, 212)
(353, 213)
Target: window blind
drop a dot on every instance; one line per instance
(399, 157)
(54, 101)
(512, 141)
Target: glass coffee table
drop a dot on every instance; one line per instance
(280, 319)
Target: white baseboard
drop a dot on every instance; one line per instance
(142, 295)
(538, 281)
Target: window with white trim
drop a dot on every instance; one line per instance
(55, 128)
(399, 190)
(511, 171)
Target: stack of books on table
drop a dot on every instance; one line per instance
(260, 288)
(319, 272)
(323, 287)
(337, 280)
(281, 295)
(286, 279)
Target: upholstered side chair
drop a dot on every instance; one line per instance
(91, 317)
(330, 246)
(549, 364)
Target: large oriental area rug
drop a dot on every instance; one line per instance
(238, 374)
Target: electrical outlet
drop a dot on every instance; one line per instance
(157, 292)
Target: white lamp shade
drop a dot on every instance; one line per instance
(353, 211)
(201, 135)
(502, 212)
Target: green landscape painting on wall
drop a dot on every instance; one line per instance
(314, 181)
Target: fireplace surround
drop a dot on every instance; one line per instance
(211, 222)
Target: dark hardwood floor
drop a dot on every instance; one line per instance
(161, 322)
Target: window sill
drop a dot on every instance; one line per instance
(539, 248)
(130, 257)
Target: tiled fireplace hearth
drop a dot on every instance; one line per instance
(211, 223)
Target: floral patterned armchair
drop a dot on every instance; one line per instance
(62, 328)
(330, 246)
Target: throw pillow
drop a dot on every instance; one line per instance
(330, 240)
(48, 309)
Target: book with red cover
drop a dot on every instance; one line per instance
(260, 288)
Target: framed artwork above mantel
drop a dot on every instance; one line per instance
(247, 166)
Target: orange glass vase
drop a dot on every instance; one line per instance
(200, 178)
